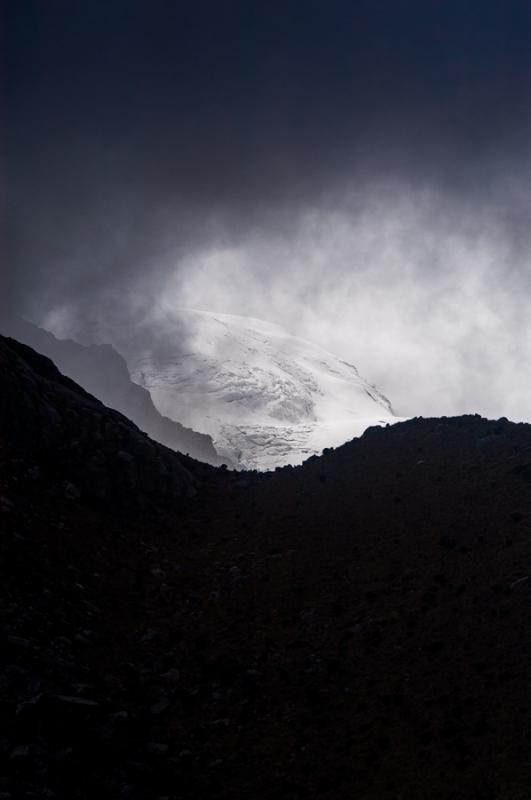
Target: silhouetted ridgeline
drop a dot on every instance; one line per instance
(94, 451)
(102, 371)
(357, 627)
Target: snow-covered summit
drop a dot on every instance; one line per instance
(267, 398)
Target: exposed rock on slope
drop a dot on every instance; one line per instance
(103, 372)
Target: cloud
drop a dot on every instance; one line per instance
(427, 294)
(357, 172)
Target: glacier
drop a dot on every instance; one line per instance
(267, 398)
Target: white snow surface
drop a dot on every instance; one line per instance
(266, 397)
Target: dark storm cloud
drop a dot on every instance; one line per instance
(135, 128)
(358, 171)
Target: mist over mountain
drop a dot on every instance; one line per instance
(267, 398)
(230, 567)
(264, 397)
(357, 173)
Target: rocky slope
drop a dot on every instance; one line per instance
(102, 371)
(355, 627)
(92, 452)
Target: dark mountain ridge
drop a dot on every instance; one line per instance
(96, 452)
(102, 371)
(354, 627)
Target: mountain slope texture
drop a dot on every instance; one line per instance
(356, 627)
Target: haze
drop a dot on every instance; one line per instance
(357, 172)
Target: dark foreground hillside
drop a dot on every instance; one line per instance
(103, 372)
(355, 628)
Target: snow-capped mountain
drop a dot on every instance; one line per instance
(267, 398)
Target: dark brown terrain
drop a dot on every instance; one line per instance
(355, 628)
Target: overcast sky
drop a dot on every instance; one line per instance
(356, 171)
